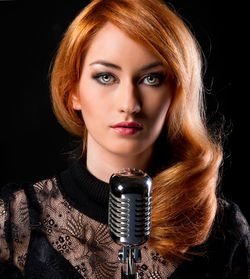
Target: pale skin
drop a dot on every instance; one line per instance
(108, 94)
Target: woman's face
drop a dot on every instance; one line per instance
(122, 81)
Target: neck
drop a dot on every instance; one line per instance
(102, 163)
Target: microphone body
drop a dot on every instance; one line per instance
(129, 216)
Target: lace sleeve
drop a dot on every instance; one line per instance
(4, 248)
(14, 231)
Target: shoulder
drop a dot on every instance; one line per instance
(225, 254)
(20, 210)
(13, 200)
(230, 222)
(15, 194)
(14, 223)
(228, 243)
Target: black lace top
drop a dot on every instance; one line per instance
(57, 228)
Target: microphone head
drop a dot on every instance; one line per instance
(129, 215)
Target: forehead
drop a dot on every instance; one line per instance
(112, 43)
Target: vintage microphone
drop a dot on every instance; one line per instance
(129, 216)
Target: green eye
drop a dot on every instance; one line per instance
(106, 78)
(151, 79)
(154, 79)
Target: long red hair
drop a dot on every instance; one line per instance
(184, 194)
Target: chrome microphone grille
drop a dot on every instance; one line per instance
(130, 208)
(119, 216)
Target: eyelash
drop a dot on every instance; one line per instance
(160, 76)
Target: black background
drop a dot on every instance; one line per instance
(32, 142)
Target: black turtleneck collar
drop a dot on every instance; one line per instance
(85, 192)
(89, 194)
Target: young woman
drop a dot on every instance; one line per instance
(127, 82)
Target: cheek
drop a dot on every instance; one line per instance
(158, 105)
(91, 108)
(94, 106)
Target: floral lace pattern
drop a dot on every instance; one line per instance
(4, 249)
(86, 243)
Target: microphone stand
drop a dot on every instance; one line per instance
(129, 256)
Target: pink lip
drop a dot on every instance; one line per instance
(131, 124)
(127, 128)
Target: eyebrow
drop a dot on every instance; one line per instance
(111, 65)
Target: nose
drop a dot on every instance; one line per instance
(129, 99)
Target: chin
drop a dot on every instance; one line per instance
(125, 151)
